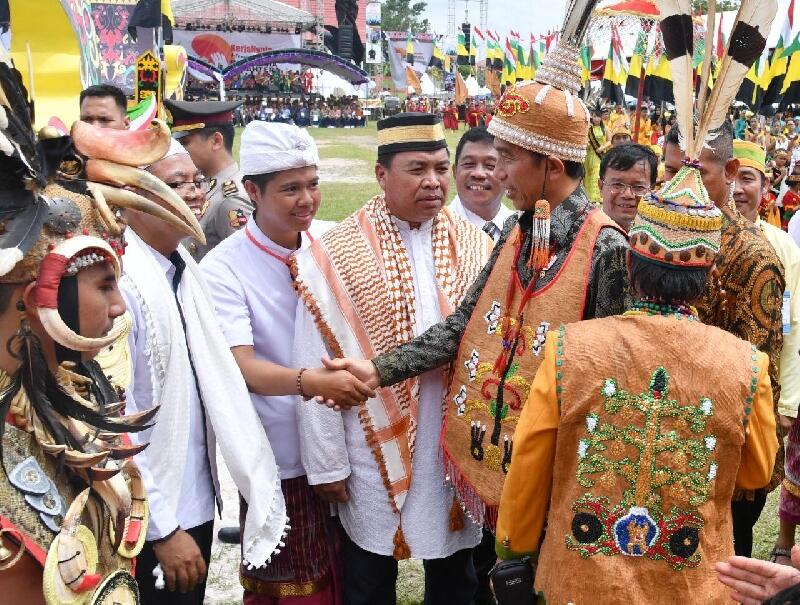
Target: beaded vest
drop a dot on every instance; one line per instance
(496, 362)
(653, 416)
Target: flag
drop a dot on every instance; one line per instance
(460, 89)
(437, 58)
(142, 114)
(497, 56)
(461, 50)
(493, 83)
(753, 86)
(780, 61)
(658, 79)
(509, 65)
(636, 65)
(516, 45)
(585, 62)
(616, 70)
(151, 14)
(412, 80)
(473, 52)
(480, 34)
(410, 49)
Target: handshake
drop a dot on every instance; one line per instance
(340, 384)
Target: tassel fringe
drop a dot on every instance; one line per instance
(456, 516)
(540, 233)
(401, 549)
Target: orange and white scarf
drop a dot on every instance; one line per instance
(357, 282)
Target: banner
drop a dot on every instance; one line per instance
(223, 48)
(423, 49)
(374, 52)
(58, 37)
(117, 51)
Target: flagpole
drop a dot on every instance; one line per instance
(639, 95)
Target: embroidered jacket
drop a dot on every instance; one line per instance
(605, 296)
(637, 456)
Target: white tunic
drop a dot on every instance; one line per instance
(196, 500)
(503, 213)
(255, 302)
(334, 446)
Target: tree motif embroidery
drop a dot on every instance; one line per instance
(654, 460)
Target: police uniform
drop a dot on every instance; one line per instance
(227, 206)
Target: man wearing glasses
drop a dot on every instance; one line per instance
(627, 173)
(205, 129)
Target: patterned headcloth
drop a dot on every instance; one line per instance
(680, 226)
(751, 155)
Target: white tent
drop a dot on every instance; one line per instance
(327, 83)
(473, 88)
(428, 88)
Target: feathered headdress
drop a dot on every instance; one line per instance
(59, 202)
(680, 226)
(747, 41)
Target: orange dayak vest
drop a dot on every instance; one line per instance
(485, 398)
(653, 412)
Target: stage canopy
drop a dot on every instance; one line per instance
(238, 12)
(311, 58)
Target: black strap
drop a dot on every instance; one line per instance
(180, 265)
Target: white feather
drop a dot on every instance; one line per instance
(759, 14)
(9, 259)
(682, 76)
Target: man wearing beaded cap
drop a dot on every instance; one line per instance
(744, 292)
(380, 277)
(636, 455)
(560, 261)
(73, 512)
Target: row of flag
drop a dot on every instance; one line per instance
(773, 78)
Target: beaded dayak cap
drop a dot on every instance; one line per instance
(680, 226)
(546, 115)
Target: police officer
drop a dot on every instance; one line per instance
(205, 129)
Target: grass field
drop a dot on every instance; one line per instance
(347, 181)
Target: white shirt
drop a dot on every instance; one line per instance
(499, 219)
(334, 446)
(255, 302)
(196, 501)
(794, 227)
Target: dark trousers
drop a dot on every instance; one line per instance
(484, 558)
(370, 579)
(146, 562)
(745, 513)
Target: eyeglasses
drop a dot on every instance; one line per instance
(618, 188)
(203, 185)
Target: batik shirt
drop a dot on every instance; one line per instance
(606, 293)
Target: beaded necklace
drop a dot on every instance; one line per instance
(647, 307)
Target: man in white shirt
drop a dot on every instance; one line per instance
(480, 194)
(383, 275)
(180, 362)
(251, 285)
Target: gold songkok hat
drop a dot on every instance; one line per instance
(546, 115)
(410, 132)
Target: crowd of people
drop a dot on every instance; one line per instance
(578, 380)
(331, 112)
(269, 79)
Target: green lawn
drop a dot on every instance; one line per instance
(344, 190)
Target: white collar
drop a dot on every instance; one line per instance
(255, 231)
(498, 220)
(405, 226)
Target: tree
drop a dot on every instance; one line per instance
(701, 6)
(403, 16)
